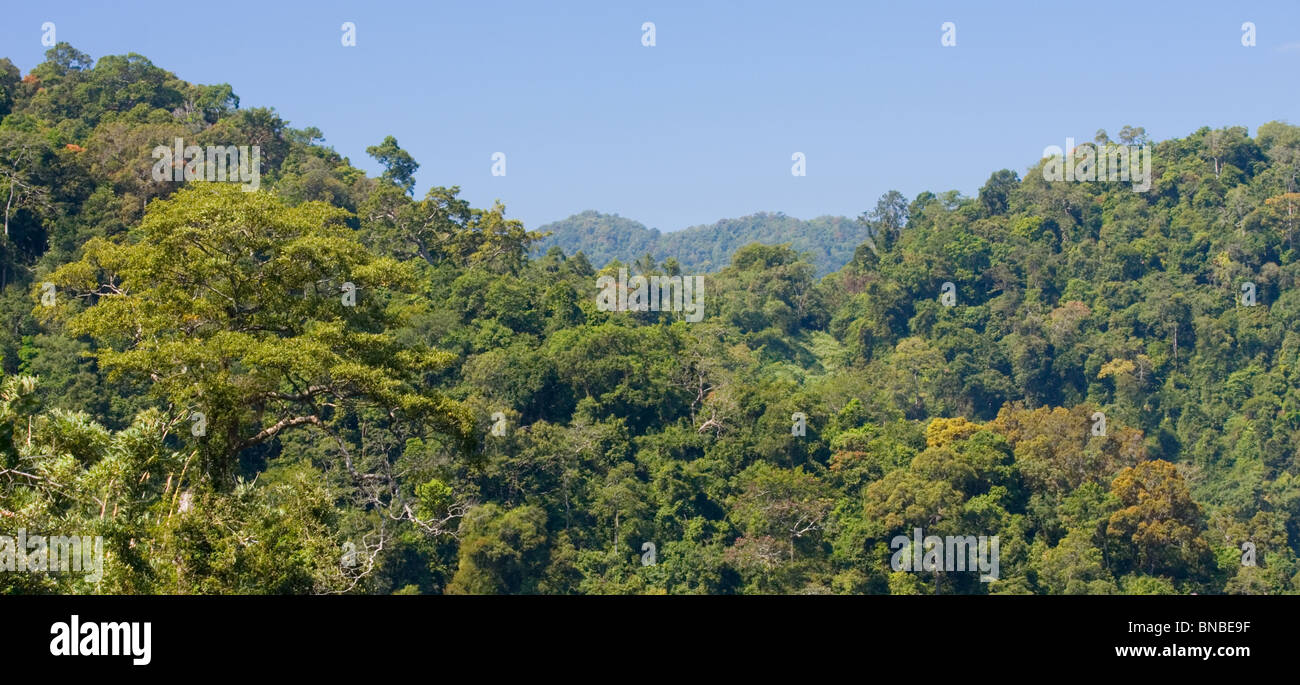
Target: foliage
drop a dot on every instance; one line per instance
(330, 386)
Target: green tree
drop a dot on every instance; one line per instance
(399, 165)
(263, 318)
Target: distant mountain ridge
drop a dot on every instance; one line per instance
(830, 240)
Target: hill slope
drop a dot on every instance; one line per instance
(236, 389)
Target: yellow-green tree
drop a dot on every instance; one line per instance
(253, 318)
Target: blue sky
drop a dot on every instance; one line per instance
(702, 126)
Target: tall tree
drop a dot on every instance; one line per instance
(399, 165)
(260, 317)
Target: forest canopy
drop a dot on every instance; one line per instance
(330, 385)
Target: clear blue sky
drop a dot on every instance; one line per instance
(702, 126)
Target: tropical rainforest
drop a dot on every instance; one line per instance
(330, 385)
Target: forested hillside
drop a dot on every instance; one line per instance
(327, 385)
(827, 241)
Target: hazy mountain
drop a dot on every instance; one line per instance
(830, 240)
